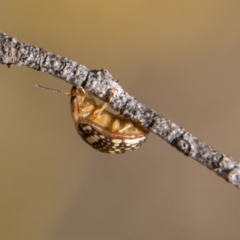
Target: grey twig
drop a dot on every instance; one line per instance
(101, 83)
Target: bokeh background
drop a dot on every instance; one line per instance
(182, 59)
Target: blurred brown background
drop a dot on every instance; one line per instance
(182, 59)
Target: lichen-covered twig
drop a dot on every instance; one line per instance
(101, 83)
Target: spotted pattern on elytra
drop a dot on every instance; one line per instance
(116, 145)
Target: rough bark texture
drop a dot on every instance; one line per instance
(100, 83)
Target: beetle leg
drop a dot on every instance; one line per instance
(101, 108)
(81, 95)
(125, 127)
(104, 105)
(116, 126)
(87, 109)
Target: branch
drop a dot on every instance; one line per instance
(100, 83)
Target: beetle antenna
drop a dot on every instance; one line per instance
(51, 89)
